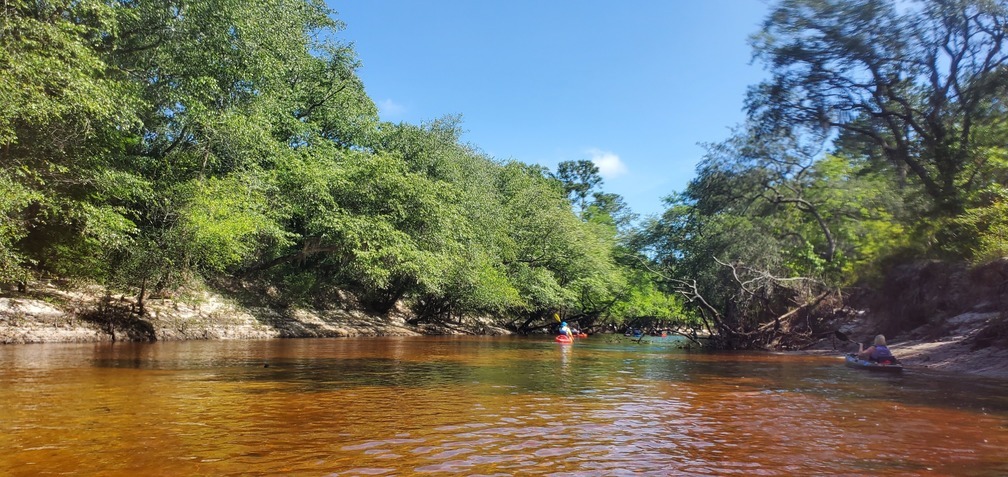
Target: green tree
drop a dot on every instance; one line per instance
(767, 227)
(62, 110)
(15, 199)
(233, 94)
(914, 82)
(579, 179)
(611, 209)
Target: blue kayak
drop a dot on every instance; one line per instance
(853, 361)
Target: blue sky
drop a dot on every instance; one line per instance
(635, 86)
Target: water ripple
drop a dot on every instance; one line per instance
(483, 407)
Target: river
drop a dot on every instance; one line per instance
(482, 406)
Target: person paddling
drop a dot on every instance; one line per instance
(565, 330)
(878, 352)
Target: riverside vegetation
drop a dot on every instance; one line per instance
(209, 169)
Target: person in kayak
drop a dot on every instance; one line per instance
(565, 330)
(878, 352)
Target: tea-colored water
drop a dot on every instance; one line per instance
(482, 406)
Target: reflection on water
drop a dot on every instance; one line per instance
(482, 406)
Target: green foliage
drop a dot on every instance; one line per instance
(222, 221)
(643, 298)
(866, 214)
(981, 232)
(55, 81)
(62, 110)
(579, 179)
(13, 201)
(537, 243)
(612, 210)
(767, 224)
(864, 145)
(916, 83)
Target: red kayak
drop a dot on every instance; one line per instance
(564, 339)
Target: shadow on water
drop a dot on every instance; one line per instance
(329, 374)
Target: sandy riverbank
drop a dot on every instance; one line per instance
(955, 350)
(54, 315)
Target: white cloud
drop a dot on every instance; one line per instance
(609, 164)
(388, 109)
